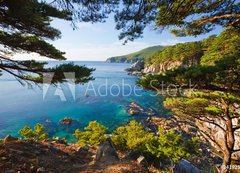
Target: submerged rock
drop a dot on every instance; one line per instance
(136, 106)
(48, 121)
(132, 111)
(66, 120)
(135, 109)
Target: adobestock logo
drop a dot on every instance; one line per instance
(59, 91)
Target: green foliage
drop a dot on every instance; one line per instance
(140, 55)
(132, 17)
(171, 145)
(82, 74)
(204, 104)
(131, 136)
(219, 68)
(223, 75)
(189, 53)
(1, 140)
(32, 27)
(209, 112)
(165, 145)
(26, 27)
(93, 135)
(38, 133)
(225, 45)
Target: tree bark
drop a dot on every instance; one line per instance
(230, 140)
(226, 162)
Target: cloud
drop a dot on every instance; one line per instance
(170, 42)
(92, 52)
(89, 26)
(99, 52)
(104, 51)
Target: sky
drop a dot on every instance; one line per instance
(97, 42)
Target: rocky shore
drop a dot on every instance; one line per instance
(140, 68)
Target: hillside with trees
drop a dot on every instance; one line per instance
(136, 56)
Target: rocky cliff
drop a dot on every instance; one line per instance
(161, 67)
(137, 66)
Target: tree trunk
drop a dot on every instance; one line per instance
(230, 140)
(226, 162)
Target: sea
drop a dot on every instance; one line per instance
(104, 99)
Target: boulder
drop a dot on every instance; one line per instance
(135, 105)
(132, 111)
(41, 169)
(9, 138)
(142, 161)
(132, 155)
(135, 73)
(66, 120)
(184, 166)
(106, 153)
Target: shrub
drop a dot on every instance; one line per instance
(169, 145)
(33, 134)
(93, 135)
(131, 136)
(166, 145)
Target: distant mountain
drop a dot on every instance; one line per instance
(133, 57)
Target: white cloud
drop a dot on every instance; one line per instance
(102, 52)
(170, 42)
(98, 52)
(89, 26)
(93, 52)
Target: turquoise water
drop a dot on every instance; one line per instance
(21, 105)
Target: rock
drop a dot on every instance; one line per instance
(142, 161)
(86, 95)
(48, 121)
(60, 141)
(132, 111)
(9, 138)
(132, 155)
(150, 112)
(161, 67)
(135, 109)
(40, 170)
(135, 73)
(106, 153)
(137, 66)
(83, 150)
(135, 105)
(184, 166)
(66, 120)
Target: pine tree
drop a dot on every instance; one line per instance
(25, 27)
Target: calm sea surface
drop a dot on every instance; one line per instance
(105, 99)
